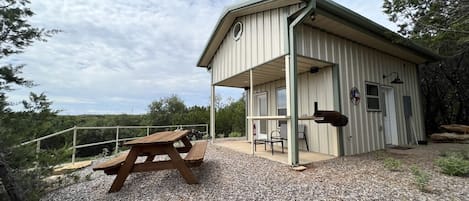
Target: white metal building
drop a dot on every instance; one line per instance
(288, 54)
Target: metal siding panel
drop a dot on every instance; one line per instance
(283, 28)
(381, 66)
(314, 130)
(260, 38)
(368, 115)
(267, 35)
(322, 102)
(348, 131)
(276, 40)
(361, 82)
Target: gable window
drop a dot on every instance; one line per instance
(237, 30)
(372, 97)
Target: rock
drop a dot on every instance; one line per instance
(299, 168)
(455, 128)
(450, 137)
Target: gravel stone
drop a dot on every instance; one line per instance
(229, 175)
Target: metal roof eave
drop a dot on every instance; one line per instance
(351, 16)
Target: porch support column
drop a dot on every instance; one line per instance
(251, 109)
(292, 82)
(292, 140)
(212, 111)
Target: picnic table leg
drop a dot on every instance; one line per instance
(186, 141)
(124, 170)
(180, 165)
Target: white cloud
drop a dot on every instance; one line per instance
(116, 56)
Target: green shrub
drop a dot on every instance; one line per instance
(421, 178)
(454, 164)
(88, 176)
(235, 134)
(392, 164)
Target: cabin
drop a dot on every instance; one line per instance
(290, 54)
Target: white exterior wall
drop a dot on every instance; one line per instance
(357, 64)
(322, 138)
(263, 39)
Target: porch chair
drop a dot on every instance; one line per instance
(282, 133)
(264, 139)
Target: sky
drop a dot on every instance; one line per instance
(117, 56)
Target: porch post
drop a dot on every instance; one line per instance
(251, 109)
(212, 110)
(292, 122)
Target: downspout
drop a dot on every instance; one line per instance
(293, 22)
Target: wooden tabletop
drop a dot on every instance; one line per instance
(165, 137)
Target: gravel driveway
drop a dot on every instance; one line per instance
(229, 175)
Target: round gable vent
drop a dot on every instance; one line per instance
(237, 30)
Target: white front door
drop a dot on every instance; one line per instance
(389, 116)
(261, 125)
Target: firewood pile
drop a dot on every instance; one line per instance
(454, 133)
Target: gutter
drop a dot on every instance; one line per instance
(293, 22)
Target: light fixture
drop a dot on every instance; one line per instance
(396, 80)
(314, 69)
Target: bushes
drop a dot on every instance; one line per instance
(454, 163)
(421, 178)
(392, 164)
(235, 134)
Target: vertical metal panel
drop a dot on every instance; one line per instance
(262, 40)
(359, 63)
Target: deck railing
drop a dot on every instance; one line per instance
(202, 128)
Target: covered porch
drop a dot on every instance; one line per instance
(263, 117)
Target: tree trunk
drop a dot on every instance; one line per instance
(9, 184)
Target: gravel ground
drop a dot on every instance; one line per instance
(229, 175)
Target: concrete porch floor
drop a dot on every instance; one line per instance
(244, 146)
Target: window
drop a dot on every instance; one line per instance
(237, 30)
(281, 104)
(372, 97)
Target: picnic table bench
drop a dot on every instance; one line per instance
(161, 143)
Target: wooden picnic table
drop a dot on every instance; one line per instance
(161, 143)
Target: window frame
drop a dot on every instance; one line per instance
(277, 106)
(237, 35)
(378, 97)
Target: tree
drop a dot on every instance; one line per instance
(231, 118)
(442, 25)
(15, 35)
(167, 111)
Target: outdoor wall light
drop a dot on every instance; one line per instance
(396, 80)
(314, 69)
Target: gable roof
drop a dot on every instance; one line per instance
(324, 7)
